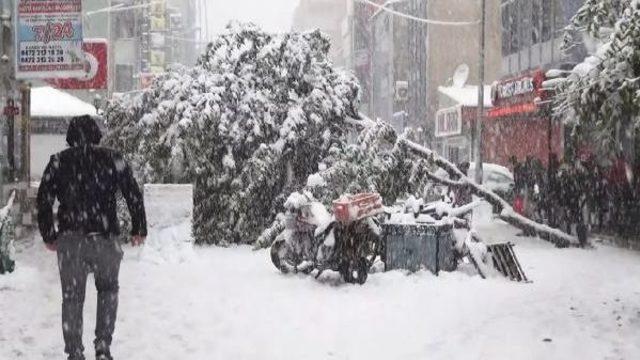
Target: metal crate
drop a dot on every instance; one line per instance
(415, 246)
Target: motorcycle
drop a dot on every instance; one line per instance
(347, 241)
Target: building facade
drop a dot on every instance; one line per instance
(144, 41)
(143, 37)
(390, 66)
(447, 49)
(521, 124)
(455, 121)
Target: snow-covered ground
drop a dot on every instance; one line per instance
(231, 303)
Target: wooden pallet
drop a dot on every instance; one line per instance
(506, 261)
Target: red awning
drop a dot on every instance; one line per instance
(512, 110)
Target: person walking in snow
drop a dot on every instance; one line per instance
(85, 179)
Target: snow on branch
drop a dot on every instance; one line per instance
(560, 238)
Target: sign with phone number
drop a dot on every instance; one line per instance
(49, 39)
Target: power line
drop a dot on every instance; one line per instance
(120, 8)
(171, 37)
(414, 18)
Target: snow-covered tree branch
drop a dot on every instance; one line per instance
(560, 238)
(261, 116)
(601, 95)
(253, 119)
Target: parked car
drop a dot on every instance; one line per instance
(495, 177)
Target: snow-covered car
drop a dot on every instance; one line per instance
(495, 177)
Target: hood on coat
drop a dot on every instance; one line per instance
(83, 130)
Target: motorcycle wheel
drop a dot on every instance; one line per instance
(355, 272)
(279, 257)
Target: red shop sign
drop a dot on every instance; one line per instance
(517, 95)
(95, 70)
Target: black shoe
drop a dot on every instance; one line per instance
(103, 355)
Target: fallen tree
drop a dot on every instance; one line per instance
(506, 212)
(262, 115)
(545, 232)
(403, 151)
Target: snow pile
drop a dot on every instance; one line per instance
(168, 204)
(307, 208)
(413, 205)
(443, 208)
(297, 200)
(482, 214)
(231, 303)
(169, 218)
(410, 218)
(480, 254)
(315, 180)
(49, 102)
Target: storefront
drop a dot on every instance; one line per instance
(455, 120)
(519, 124)
(453, 133)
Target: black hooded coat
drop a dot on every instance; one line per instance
(85, 180)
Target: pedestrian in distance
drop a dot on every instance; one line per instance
(85, 179)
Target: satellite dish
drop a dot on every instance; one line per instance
(461, 75)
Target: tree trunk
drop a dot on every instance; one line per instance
(545, 232)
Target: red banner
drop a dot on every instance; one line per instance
(95, 68)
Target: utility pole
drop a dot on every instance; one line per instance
(11, 146)
(479, 118)
(417, 94)
(7, 88)
(25, 95)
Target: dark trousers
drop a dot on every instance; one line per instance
(78, 255)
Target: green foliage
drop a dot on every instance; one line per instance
(594, 17)
(602, 95)
(256, 106)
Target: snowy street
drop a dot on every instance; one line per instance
(231, 303)
(265, 157)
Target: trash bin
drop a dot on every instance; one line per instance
(415, 246)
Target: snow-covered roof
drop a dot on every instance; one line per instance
(467, 95)
(49, 102)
